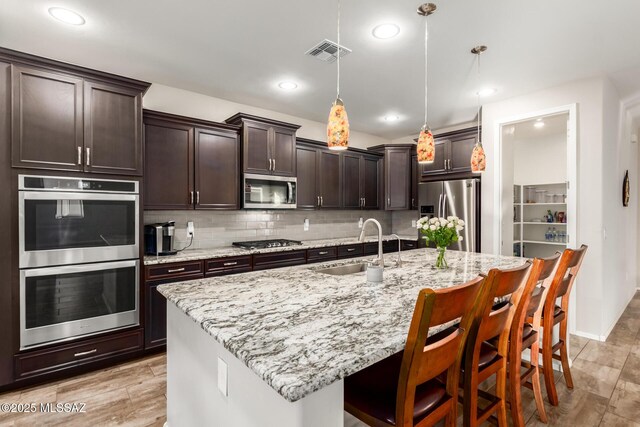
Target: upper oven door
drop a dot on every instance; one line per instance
(269, 192)
(70, 227)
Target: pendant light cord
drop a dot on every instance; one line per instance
(478, 142)
(426, 64)
(338, 54)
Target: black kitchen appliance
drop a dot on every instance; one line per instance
(265, 244)
(158, 238)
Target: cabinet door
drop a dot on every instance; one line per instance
(439, 164)
(112, 129)
(414, 182)
(256, 148)
(168, 182)
(217, 170)
(371, 182)
(460, 153)
(155, 328)
(329, 183)
(307, 178)
(351, 181)
(283, 152)
(397, 177)
(47, 120)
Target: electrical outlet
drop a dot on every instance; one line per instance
(360, 222)
(305, 225)
(413, 223)
(191, 231)
(222, 377)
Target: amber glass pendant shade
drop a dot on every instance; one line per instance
(338, 127)
(426, 148)
(478, 159)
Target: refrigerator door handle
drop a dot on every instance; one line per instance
(444, 206)
(440, 205)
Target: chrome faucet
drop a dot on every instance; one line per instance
(380, 259)
(399, 260)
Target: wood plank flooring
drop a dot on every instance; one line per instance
(606, 393)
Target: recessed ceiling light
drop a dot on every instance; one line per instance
(386, 31)
(486, 91)
(391, 118)
(288, 85)
(538, 124)
(67, 16)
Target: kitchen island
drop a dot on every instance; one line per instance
(272, 347)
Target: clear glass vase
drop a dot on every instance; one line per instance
(441, 261)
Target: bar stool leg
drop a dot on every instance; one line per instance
(547, 358)
(501, 391)
(515, 391)
(564, 354)
(535, 381)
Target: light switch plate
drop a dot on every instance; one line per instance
(360, 222)
(306, 224)
(222, 377)
(191, 230)
(413, 223)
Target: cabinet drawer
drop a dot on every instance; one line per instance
(322, 254)
(174, 271)
(407, 245)
(349, 251)
(71, 355)
(230, 265)
(279, 259)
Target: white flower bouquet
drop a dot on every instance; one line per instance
(442, 232)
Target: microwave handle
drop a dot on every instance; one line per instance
(289, 193)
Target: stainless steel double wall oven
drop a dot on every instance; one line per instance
(78, 256)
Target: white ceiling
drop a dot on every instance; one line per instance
(553, 125)
(239, 50)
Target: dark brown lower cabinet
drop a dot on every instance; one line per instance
(155, 309)
(231, 265)
(279, 259)
(49, 360)
(350, 251)
(322, 254)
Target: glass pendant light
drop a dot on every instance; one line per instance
(478, 158)
(426, 148)
(338, 123)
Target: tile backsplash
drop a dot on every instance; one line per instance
(221, 228)
(401, 222)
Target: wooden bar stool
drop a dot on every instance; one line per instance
(418, 386)
(524, 335)
(482, 359)
(553, 314)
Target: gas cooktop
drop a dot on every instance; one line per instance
(264, 244)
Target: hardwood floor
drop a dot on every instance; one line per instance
(606, 393)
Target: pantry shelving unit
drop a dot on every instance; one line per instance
(529, 225)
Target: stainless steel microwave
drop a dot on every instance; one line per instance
(269, 192)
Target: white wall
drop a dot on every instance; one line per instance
(588, 94)
(541, 160)
(178, 101)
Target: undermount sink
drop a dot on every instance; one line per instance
(342, 270)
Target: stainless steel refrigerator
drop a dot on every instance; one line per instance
(461, 198)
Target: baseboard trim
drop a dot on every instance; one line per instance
(588, 335)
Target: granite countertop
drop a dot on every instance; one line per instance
(301, 330)
(229, 251)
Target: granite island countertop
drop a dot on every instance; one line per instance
(301, 330)
(230, 251)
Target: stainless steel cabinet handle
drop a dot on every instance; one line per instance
(192, 199)
(270, 165)
(321, 201)
(388, 201)
(323, 253)
(318, 201)
(88, 159)
(197, 197)
(85, 353)
(274, 164)
(351, 249)
(175, 270)
(79, 155)
(227, 264)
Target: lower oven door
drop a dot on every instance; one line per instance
(61, 303)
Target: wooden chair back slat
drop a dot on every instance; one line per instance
(565, 275)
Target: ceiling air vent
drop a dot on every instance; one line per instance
(326, 51)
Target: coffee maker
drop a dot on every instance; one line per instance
(158, 238)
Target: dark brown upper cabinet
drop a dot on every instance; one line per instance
(415, 179)
(397, 175)
(337, 180)
(71, 118)
(190, 163)
(268, 146)
(360, 174)
(453, 154)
